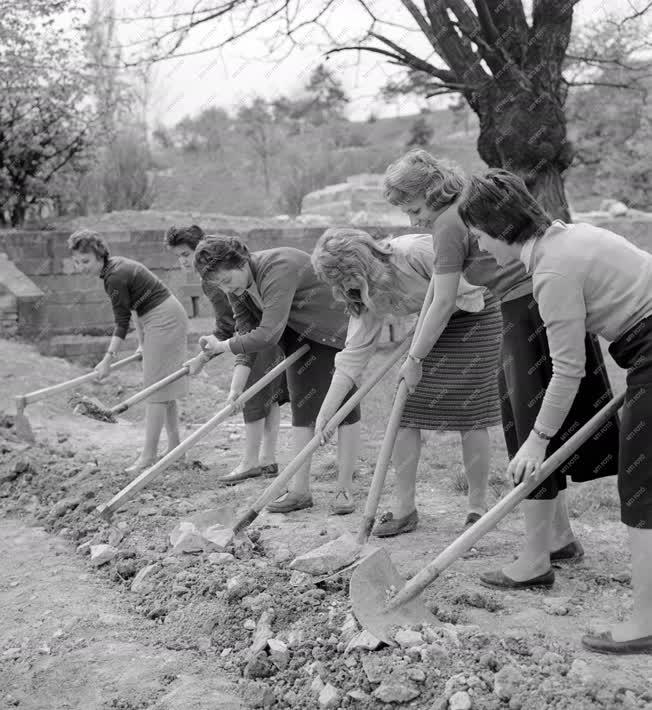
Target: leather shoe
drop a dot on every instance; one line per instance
(342, 504)
(269, 469)
(236, 476)
(390, 526)
(604, 643)
(290, 502)
(471, 519)
(573, 552)
(498, 579)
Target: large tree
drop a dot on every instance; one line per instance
(505, 61)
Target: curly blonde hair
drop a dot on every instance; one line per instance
(344, 254)
(86, 241)
(420, 174)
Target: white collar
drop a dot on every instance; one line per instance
(527, 252)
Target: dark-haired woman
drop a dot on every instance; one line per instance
(162, 326)
(277, 298)
(429, 191)
(585, 279)
(261, 413)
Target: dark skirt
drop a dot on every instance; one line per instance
(258, 407)
(459, 389)
(309, 379)
(526, 372)
(633, 352)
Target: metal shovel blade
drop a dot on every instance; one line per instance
(24, 428)
(372, 585)
(93, 408)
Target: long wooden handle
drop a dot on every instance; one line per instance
(382, 464)
(489, 520)
(146, 476)
(69, 384)
(277, 487)
(144, 394)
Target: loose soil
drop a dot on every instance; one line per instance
(73, 635)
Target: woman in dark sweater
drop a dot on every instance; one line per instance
(261, 413)
(277, 298)
(162, 327)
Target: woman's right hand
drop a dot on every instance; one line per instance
(196, 364)
(103, 368)
(411, 371)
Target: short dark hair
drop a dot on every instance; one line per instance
(87, 241)
(184, 236)
(500, 204)
(217, 252)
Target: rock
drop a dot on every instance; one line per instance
(622, 577)
(84, 548)
(296, 638)
(221, 558)
(434, 652)
(126, 568)
(235, 588)
(618, 209)
(413, 653)
(460, 701)
(280, 555)
(63, 506)
(416, 674)
(101, 554)
(249, 624)
(406, 638)
(317, 685)
(556, 606)
(258, 695)
(329, 697)
(299, 579)
(186, 538)
(349, 628)
(507, 682)
(328, 558)
(263, 632)
(279, 653)
(358, 695)
(396, 692)
(116, 536)
(364, 640)
(259, 666)
(141, 583)
(581, 671)
(549, 658)
(147, 511)
(376, 669)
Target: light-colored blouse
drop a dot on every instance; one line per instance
(412, 259)
(586, 279)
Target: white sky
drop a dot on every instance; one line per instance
(227, 77)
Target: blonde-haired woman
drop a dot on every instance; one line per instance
(429, 192)
(458, 392)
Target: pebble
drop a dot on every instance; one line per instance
(507, 682)
(580, 670)
(375, 668)
(221, 558)
(406, 638)
(364, 640)
(249, 624)
(359, 695)
(140, 583)
(549, 658)
(413, 653)
(329, 696)
(11, 701)
(279, 653)
(349, 628)
(295, 638)
(317, 685)
(417, 675)
(101, 554)
(460, 701)
(556, 606)
(396, 692)
(299, 579)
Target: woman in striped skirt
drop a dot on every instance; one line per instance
(459, 390)
(430, 191)
(161, 325)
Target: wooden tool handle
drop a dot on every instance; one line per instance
(382, 464)
(144, 394)
(489, 520)
(146, 476)
(70, 384)
(277, 487)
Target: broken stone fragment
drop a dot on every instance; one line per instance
(278, 653)
(221, 558)
(349, 628)
(417, 675)
(329, 697)
(406, 638)
(296, 638)
(141, 583)
(332, 556)
(358, 695)
(396, 692)
(219, 537)
(376, 669)
(317, 685)
(507, 682)
(249, 624)
(188, 542)
(460, 701)
(364, 640)
(63, 506)
(101, 554)
(556, 606)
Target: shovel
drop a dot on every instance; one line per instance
(278, 485)
(377, 604)
(129, 491)
(23, 427)
(348, 541)
(93, 408)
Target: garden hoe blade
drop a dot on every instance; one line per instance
(21, 423)
(373, 583)
(93, 408)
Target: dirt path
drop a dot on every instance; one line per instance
(188, 623)
(69, 641)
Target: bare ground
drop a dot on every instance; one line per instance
(187, 630)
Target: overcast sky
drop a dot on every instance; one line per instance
(227, 77)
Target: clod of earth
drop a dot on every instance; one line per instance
(460, 701)
(332, 556)
(507, 682)
(396, 692)
(406, 638)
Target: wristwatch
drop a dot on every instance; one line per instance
(541, 435)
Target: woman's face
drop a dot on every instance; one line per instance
(419, 213)
(234, 281)
(185, 256)
(85, 262)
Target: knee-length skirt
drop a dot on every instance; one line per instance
(165, 348)
(459, 387)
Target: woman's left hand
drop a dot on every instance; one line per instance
(528, 459)
(231, 400)
(210, 344)
(411, 371)
(103, 369)
(321, 430)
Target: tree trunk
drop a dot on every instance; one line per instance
(18, 211)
